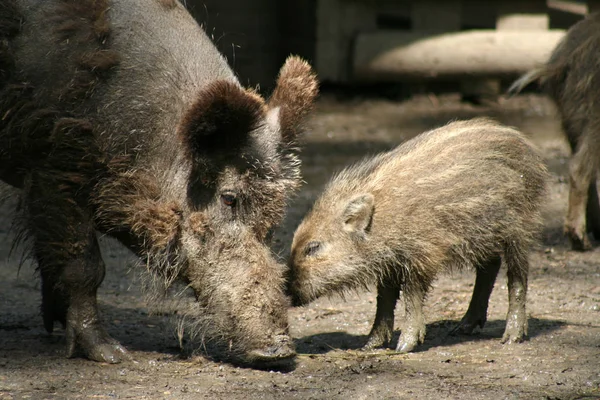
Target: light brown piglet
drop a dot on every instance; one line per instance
(466, 195)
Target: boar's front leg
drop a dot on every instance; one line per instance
(476, 315)
(71, 267)
(383, 327)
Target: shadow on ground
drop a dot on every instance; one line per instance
(438, 333)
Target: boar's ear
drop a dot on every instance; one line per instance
(358, 214)
(294, 95)
(220, 121)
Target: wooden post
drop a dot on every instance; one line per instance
(338, 21)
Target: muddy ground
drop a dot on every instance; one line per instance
(561, 360)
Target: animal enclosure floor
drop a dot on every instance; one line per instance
(561, 359)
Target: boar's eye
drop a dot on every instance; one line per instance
(229, 199)
(312, 248)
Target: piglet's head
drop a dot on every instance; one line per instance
(244, 166)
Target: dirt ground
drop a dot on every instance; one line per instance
(561, 360)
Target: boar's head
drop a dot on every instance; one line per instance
(244, 166)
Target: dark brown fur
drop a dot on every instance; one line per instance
(10, 23)
(462, 196)
(571, 79)
(21, 115)
(86, 22)
(82, 20)
(221, 107)
(130, 201)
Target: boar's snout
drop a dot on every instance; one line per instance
(240, 286)
(279, 354)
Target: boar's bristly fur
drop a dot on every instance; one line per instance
(466, 195)
(571, 78)
(121, 117)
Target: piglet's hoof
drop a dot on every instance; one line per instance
(406, 344)
(514, 334)
(95, 344)
(409, 339)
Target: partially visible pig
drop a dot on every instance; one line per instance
(120, 116)
(466, 195)
(572, 79)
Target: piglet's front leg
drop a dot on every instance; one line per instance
(383, 326)
(413, 331)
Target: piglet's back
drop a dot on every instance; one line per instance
(462, 175)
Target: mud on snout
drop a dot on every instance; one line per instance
(242, 309)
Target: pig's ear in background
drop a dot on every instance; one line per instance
(219, 123)
(293, 97)
(358, 214)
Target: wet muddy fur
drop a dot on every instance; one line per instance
(466, 195)
(233, 167)
(570, 77)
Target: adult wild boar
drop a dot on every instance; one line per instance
(572, 79)
(120, 116)
(466, 195)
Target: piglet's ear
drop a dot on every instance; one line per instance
(220, 121)
(358, 214)
(294, 95)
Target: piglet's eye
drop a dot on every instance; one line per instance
(312, 248)
(229, 199)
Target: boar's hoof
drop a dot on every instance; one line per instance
(281, 354)
(467, 325)
(378, 339)
(95, 344)
(579, 241)
(374, 343)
